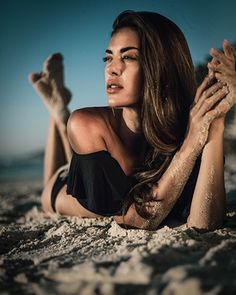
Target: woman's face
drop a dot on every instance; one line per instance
(122, 71)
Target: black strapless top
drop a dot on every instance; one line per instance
(98, 182)
(100, 185)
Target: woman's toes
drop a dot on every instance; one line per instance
(52, 67)
(34, 77)
(53, 63)
(57, 57)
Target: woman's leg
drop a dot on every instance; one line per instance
(54, 155)
(65, 204)
(49, 84)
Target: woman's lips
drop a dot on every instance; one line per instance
(114, 88)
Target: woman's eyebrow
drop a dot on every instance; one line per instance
(122, 50)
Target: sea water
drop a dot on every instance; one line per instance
(21, 168)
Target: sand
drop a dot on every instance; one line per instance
(63, 255)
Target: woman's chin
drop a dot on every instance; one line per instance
(115, 104)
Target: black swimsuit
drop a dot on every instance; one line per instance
(97, 181)
(100, 185)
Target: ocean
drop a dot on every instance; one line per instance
(22, 168)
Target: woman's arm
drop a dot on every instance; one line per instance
(170, 186)
(209, 200)
(165, 193)
(206, 211)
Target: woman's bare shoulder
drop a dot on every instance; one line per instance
(86, 127)
(90, 113)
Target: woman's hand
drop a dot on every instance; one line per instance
(223, 68)
(226, 73)
(207, 107)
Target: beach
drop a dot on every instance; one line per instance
(68, 255)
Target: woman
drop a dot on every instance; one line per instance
(157, 151)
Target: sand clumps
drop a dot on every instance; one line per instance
(68, 255)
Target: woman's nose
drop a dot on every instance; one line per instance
(115, 68)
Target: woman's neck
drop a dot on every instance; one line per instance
(132, 120)
(130, 130)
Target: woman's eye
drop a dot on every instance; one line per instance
(107, 58)
(128, 57)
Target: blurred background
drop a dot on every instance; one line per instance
(30, 31)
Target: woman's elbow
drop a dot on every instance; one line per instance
(133, 220)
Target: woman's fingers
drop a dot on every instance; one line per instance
(229, 65)
(209, 99)
(209, 103)
(203, 86)
(208, 93)
(224, 106)
(218, 55)
(204, 92)
(211, 90)
(228, 50)
(224, 69)
(227, 78)
(220, 110)
(219, 68)
(213, 63)
(223, 58)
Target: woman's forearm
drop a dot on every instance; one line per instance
(166, 192)
(170, 186)
(209, 202)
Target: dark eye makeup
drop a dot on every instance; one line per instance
(125, 57)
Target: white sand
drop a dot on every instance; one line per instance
(60, 255)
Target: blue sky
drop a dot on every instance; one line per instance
(32, 30)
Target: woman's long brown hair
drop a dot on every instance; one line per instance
(168, 92)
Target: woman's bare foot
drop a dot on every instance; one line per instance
(49, 84)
